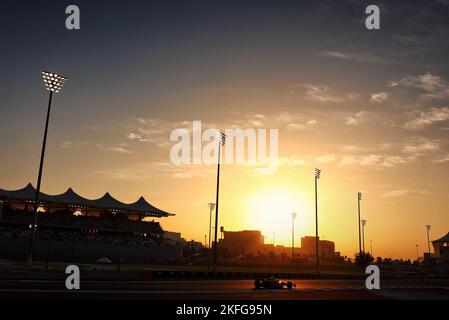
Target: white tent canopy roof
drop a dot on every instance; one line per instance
(443, 239)
(71, 198)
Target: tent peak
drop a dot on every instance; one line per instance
(71, 198)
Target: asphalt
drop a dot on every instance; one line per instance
(424, 289)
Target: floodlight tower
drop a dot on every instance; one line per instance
(294, 215)
(211, 208)
(428, 226)
(363, 234)
(53, 83)
(221, 139)
(317, 241)
(359, 198)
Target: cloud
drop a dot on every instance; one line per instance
(428, 118)
(407, 39)
(321, 93)
(119, 149)
(300, 126)
(290, 162)
(66, 144)
(371, 160)
(153, 130)
(73, 145)
(418, 148)
(351, 56)
(328, 158)
(359, 118)
(443, 159)
(290, 120)
(379, 97)
(375, 161)
(154, 170)
(393, 161)
(388, 155)
(434, 87)
(351, 148)
(395, 193)
(157, 131)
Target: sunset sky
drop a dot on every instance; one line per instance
(370, 108)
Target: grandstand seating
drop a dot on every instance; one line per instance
(64, 226)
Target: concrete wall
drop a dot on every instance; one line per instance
(54, 251)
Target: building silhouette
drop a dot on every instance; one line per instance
(242, 242)
(441, 249)
(326, 248)
(251, 242)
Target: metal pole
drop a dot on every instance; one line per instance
(293, 237)
(428, 240)
(371, 242)
(38, 187)
(210, 223)
(317, 241)
(360, 239)
(363, 237)
(216, 206)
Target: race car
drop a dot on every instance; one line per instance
(272, 283)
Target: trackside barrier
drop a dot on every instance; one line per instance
(147, 275)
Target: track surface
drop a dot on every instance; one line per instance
(222, 290)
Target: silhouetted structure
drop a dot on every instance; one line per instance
(70, 200)
(440, 258)
(72, 227)
(326, 248)
(251, 242)
(440, 243)
(242, 242)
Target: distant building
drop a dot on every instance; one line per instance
(194, 245)
(242, 242)
(308, 246)
(175, 236)
(251, 242)
(326, 248)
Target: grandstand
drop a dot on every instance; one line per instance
(73, 227)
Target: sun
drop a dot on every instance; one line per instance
(270, 211)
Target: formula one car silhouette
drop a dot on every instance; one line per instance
(272, 283)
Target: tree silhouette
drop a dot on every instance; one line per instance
(363, 259)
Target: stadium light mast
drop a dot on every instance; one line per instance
(363, 221)
(294, 215)
(428, 226)
(317, 241)
(54, 84)
(359, 198)
(211, 206)
(221, 139)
